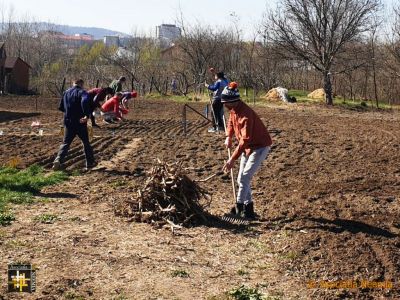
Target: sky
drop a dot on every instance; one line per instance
(142, 16)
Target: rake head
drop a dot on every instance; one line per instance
(235, 219)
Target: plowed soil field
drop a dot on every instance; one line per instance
(327, 199)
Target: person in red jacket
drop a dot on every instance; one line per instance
(254, 144)
(111, 110)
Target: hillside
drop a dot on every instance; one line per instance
(98, 33)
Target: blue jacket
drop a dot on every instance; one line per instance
(75, 105)
(218, 87)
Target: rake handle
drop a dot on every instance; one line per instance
(232, 175)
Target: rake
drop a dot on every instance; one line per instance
(231, 218)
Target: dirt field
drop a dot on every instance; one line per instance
(327, 196)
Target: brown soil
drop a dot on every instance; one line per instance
(327, 196)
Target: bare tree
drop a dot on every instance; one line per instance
(317, 30)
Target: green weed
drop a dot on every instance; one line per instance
(46, 218)
(180, 273)
(6, 218)
(246, 293)
(242, 272)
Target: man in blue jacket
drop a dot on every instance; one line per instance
(218, 109)
(75, 106)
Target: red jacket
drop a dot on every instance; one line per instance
(249, 130)
(112, 104)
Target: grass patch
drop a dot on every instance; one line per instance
(19, 186)
(242, 272)
(46, 218)
(246, 293)
(180, 273)
(6, 218)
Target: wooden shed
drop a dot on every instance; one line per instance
(16, 75)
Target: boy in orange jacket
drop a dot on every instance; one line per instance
(254, 144)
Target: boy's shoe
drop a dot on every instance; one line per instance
(90, 166)
(237, 209)
(212, 129)
(249, 211)
(221, 129)
(57, 166)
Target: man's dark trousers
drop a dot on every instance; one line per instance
(70, 132)
(218, 109)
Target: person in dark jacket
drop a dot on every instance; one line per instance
(74, 104)
(217, 107)
(96, 96)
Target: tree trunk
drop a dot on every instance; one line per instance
(328, 88)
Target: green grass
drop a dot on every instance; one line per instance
(301, 97)
(19, 187)
(46, 218)
(6, 218)
(246, 293)
(180, 273)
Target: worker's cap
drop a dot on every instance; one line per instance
(133, 94)
(230, 93)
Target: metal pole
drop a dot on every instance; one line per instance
(184, 119)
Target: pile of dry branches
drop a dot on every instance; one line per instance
(168, 196)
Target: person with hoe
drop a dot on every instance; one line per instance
(254, 144)
(217, 108)
(116, 84)
(75, 106)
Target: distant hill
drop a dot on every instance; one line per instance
(98, 33)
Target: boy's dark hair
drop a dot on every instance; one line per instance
(78, 82)
(122, 78)
(221, 75)
(109, 91)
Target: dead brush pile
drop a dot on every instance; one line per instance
(168, 196)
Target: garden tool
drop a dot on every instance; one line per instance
(233, 218)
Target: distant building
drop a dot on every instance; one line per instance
(167, 34)
(111, 40)
(14, 74)
(70, 41)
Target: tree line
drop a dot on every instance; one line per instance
(343, 46)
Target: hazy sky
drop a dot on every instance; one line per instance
(143, 15)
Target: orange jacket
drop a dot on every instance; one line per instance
(112, 104)
(249, 130)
